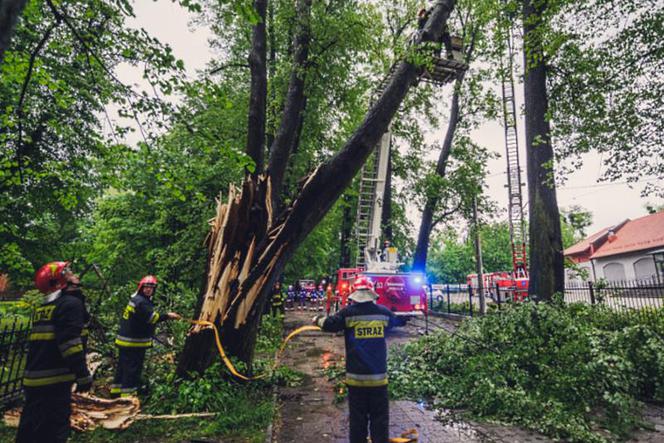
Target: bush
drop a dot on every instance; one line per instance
(573, 372)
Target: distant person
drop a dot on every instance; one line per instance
(364, 324)
(137, 327)
(445, 38)
(56, 356)
(277, 300)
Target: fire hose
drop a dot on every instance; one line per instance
(229, 363)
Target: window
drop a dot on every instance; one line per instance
(644, 268)
(614, 271)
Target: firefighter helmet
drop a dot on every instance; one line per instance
(148, 280)
(363, 290)
(51, 276)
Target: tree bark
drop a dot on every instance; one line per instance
(236, 302)
(426, 225)
(258, 95)
(10, 11)
(546, 253)
(292, 118)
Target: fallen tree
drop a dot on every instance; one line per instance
(250, 240)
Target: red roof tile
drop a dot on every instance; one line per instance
(636, 235)
(584, 244)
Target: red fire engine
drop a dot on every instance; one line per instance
(402, 293)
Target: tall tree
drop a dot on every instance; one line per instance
(546, 250)
(250, 244)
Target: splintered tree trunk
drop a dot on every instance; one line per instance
(10, 11)
(248, 245)
(426, 225)
(546, 253)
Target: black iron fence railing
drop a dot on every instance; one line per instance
(642, 297)
(451, 298)
(14, 331)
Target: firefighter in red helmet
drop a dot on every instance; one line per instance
(137, 326)
(56, 356)
(364, 324)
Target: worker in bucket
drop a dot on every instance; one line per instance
(364, 324)
(137, 326)
(56, 356)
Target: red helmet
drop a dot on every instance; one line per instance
(362, 283)
(148, 280)
(51, 276)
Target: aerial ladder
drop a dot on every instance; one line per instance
(518, 283)
(370, 256)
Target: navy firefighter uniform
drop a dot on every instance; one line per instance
(364, 324)
(56, 357)
(137, 327)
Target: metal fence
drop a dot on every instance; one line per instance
(643, 297)
(453, 298)
(14, 332)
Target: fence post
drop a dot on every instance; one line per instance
(430, 297)
(470, 299)
(449, 308)
(498, 295)
(592, 293)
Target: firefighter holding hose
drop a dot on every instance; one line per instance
(364, 324)
(137, 327)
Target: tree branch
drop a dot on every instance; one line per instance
(24, 89)
(288, 133)
(258, 95)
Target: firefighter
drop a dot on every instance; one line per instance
(277, 300)
(364, 324)
(56, 356)
(330, 299)
(445, 38)
(290, 298)
(137, 326)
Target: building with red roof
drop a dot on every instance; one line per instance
(631, 250)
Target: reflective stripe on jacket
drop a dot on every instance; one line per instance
(57, 342)
(364, 326)
(138, 323)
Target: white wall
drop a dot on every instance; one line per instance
(609, 267)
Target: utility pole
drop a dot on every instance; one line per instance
(478, 258)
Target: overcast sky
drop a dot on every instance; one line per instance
(610, 203)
